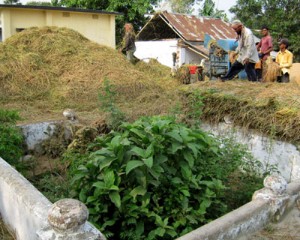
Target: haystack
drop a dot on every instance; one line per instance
(58, 68)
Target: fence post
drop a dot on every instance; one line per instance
(67, 219)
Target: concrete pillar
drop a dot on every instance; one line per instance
(68, 220)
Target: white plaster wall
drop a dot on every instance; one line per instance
(159, 50)
(268, 151)
(191, 57)
(99, 28)
(22, 207)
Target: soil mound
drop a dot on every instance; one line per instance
(60, 68)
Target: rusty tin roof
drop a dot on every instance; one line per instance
(193, 28)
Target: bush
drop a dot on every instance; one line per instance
(155, 179)
(11, 138)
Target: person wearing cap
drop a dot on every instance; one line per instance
(285, 60)
(247, 53)
(264, 48)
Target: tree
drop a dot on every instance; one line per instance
(281, 16)
(12, 2)
(208, 9)
(182, 6)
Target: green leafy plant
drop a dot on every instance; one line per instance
(154, 179)
(11, 138)
(107, 97)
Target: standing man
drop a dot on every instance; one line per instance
(247, 53)
(129, 42)
(264, 49)
(285, 60)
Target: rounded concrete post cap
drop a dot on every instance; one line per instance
(67, 214)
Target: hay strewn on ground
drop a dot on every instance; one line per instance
(45, 70)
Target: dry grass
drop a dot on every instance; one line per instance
(270, 108)
(4, 234)
(44, 70)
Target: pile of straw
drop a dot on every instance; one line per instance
(60, 68)
(272, 71)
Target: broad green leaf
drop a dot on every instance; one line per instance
(106, 162)
(140, 133)
(82, 195)
(185, 135)
(176, 180)
(185, 192)
(149, 151)
(175, 135)
(109, 178)
(176, 146)
(125, 142)
(115, 141)
(99, 184)
(148, 162)
(139, 152)
(115, 198)
(160, 231)
(154, 173)
(78, 177)
(189, 158)
(138, 191)
(204, 205)
(194, 147)
(132, 165)
(185, 170)
(114, 188)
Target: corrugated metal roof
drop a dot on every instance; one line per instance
(192, 28)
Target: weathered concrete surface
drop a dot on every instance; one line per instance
(269, 204)
(25, 211)
(23, 208)
(283, 155)
(245, 219)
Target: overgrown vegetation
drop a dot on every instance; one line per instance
(155, 179)
(11, 138)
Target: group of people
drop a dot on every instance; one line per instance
(249, 54)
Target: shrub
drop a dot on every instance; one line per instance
(154, 179)
(11, 138)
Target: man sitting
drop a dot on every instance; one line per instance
(285, 60)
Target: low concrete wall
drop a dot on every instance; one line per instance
(269, 204)
(25, 211)
(270, 152)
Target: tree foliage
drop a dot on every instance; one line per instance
(12, 2)
(182, 6)
(281, 16)
(208, 9)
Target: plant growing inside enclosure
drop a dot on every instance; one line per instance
(107, 97)
(154, 179)
(11, 138)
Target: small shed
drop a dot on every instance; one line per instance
(96, 25)
(167, 35)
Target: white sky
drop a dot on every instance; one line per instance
(225, 5)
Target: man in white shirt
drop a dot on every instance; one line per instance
(247, 53)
